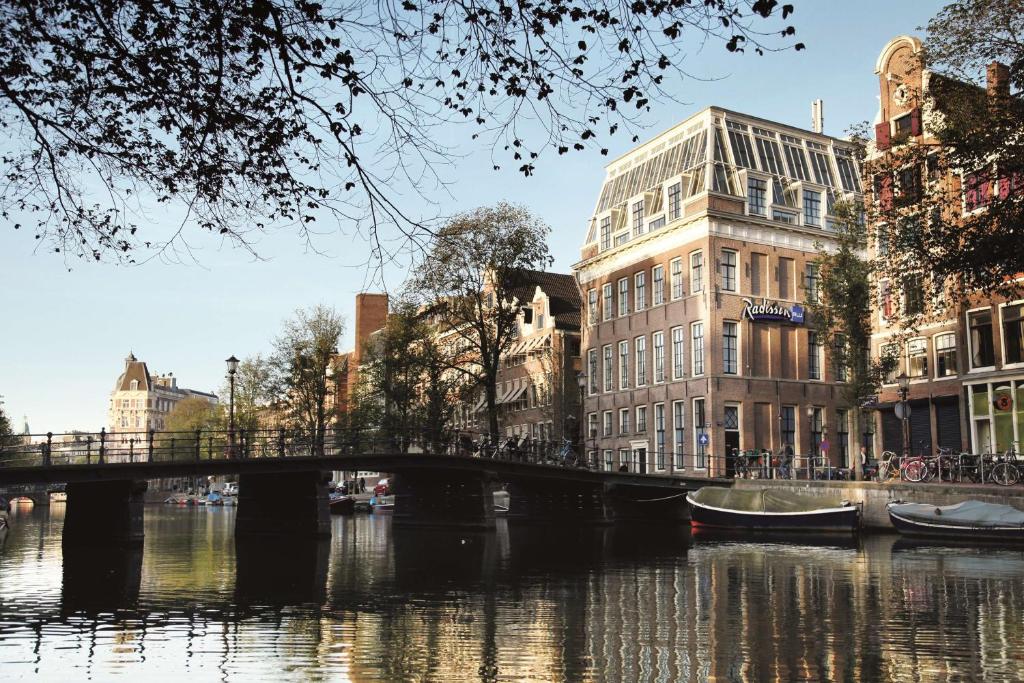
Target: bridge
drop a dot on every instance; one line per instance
(283, 479)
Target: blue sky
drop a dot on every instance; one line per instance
(64, 333)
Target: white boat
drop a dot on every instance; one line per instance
(971, 520)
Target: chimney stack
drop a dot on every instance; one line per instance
(997, 80)
(818, 116)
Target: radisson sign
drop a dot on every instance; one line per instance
(766, 311)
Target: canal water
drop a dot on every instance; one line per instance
(525, 603)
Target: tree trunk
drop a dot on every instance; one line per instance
(490, 391)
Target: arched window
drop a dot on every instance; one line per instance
(135, 385)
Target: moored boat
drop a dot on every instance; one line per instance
(769, 509)
(341, 504)
(971, 520)
(379, 504)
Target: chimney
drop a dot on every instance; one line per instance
(997, 80)
(817, 116)
(371, 315)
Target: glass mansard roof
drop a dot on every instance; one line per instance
(721, 153)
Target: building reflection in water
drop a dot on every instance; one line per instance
(522, 603)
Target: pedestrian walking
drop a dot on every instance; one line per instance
(362, 485)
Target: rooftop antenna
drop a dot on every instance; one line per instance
(817, 116)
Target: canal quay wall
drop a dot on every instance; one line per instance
(875, 495)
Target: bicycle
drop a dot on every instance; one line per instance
(888, 467)
(1005, 471)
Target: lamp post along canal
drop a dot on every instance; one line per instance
(581, 382)
(232, 364)
(904, 414)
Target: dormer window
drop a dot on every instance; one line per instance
(134, 385)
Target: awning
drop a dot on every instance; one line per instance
(517, 348)
(518, 390)
(480, 404)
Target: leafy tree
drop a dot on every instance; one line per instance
(254, 391)
(471, 281)
(7, 435)
(972, 157)
(263, 113)
(191, 414)
(842, 314)
(302, 368)
(407, 385)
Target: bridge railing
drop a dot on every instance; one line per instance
(104, 448)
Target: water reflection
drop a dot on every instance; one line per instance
(522, 603)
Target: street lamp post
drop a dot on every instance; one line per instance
(581, 382)
(232, 364)
(904, 383)
(810, 434)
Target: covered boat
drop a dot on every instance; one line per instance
(770, 509)
(341, 504)
(970, 520)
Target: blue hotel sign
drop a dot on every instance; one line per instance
(772, 312)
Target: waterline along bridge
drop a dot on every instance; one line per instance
(283, 479)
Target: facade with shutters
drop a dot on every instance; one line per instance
(695, 273)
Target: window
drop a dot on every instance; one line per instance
(641, 419)
(592, 425)
(608, 461)
(945, 355)
(638, 217)
(592, 306)
(728, 270)
(606, 293)
(606, 423)
(885, 299)
(768, 152)
(659, 436)
(730, 360)
(657, 285)
(795, 158)
(606, 233)
(697, 347)
(979, 324)
(757, 196)
(917, 357)
(641, 361)
(742, 151)
(843, 437)
(640, 281)
(677, 353)
(677, 427)
(890, 357)
(811, 282)
(624, 296)
(902, 126)
(608, 370)
(817, 428)
(847, 171)
(700, 429)
(913, 296)
(787, 420)
(1013, 333)
(623, 457)
(813, 356)
(592, 370)
(697, 271)
(623, 365)
(812, 208)
(839, 358)
(674, 201)
(658, 341)
(624, 421)
(783, 217)
(657, 223)
(676, 278)
(135, 385)
(819, 162)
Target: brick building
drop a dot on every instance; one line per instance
(698, 262)
(371, 316)
(965, 360)
(537, 386)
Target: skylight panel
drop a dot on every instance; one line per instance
(796, 161)
(822, 171)
(742, 151)
(847, 170)
(771, 160)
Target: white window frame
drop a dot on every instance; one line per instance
(638, 355)
(624, 368)
(970, 348)
(1002, 336)
(608, 369)
(655, 337)
(678, 365)
(697, 272)
(593, 315)
(655, 299)
(640, 410)
(927, 375)
(623, 423)
(739, 364)
(640, 286)
(935, 355)
(672, 276)
(694, 356)
(608, 301)
(735, 270)
(622, 300)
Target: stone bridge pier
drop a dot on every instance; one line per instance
(555, 500)
(294, 504)
(436, 498)
(104, 512)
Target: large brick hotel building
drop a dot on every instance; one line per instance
(698, 261)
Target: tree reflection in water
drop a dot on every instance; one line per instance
(542, 602)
